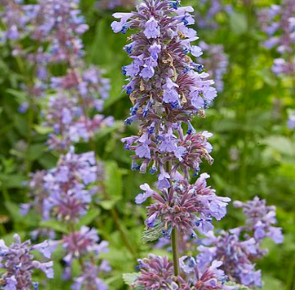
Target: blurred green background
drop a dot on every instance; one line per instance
(254, 150)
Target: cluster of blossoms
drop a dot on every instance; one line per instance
(239, 248)
(64, 193)
(67, 190)
(68, 110)
(84, 245)
(157, 273)
(17, 261)
(278, 22)
(216, 63)
(56, 27)
(208, 11)
(167, 88)
(177, 207)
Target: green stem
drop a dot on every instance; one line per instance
(174, 238)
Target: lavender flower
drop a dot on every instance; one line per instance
(260, 219)
(82, 242)
(216, 63)
(67, 186)
(279, 23)
(165, 89)
(67, 190)
(89, 279)
(19, 264)
(186, 207)
(208, 11)
(238, 252)
(156, 273)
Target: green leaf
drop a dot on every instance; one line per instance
(280, 144)
(130, 278)
(36, 151)
(12, 181)
(107, 204)
(113, 182)
(238, 22)
(154, 233)
(89, 217)
(43, 130)
(14, 211)
(239, 287)
(55, 225)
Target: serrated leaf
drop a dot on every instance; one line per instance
(154, 233)
(55, 225)
(130, 278)
(89, 217)
(239, 287)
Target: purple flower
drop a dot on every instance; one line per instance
(152, 29)
(81, 243)
(18, 264)
(142, 197)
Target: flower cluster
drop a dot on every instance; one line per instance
(216, 63)
(157, 273)
(278, 22)
(18, 264)
(83, 245)
(64, 191)
(260, 220)
(208, 11)
(165, 88)
(240, 247)
(56, 27)
(187, 207)
(89, 279)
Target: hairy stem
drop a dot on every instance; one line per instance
(174, 238)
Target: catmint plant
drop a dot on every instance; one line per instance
(18, 263)
(167, 88)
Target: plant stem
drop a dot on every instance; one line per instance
(174, 238)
